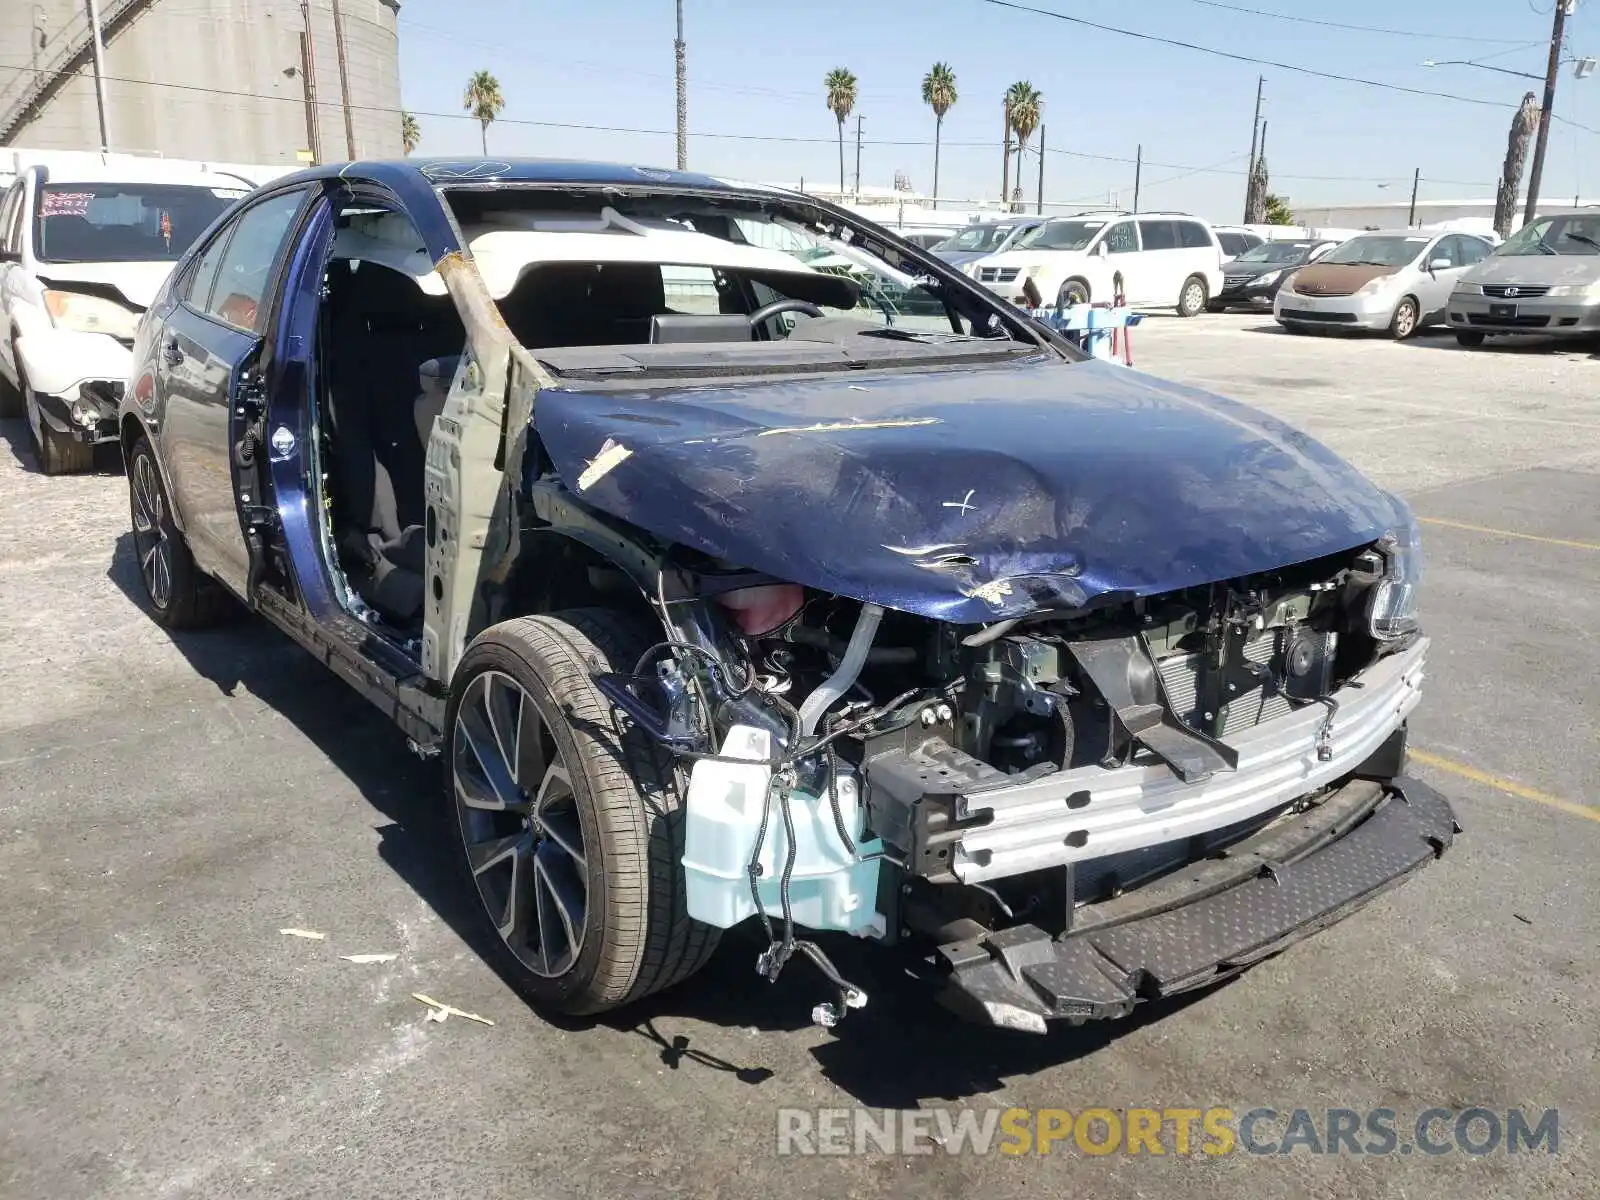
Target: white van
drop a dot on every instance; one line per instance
(1156, 260)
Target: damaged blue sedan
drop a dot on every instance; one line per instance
(741, 562)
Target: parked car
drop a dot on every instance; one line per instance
(987, 237)
(81, 255)
(954, 640)
(1156, 260)
(1399, 282)
(925, 239)
(1252, 279)
(1545, 279)
(1235, 240)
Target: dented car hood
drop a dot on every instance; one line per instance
(964, 495)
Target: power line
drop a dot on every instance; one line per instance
(1246, 58)
(1406, 33)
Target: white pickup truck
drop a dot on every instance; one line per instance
(82, 252)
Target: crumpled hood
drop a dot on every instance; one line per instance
(965, 494)
(138, 282)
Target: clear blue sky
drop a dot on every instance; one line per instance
(758, 71)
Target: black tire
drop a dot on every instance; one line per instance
(1193, 296)
(1073, 291)
(619, 786)
(1470, 340)
(1407, 319)
(60, 454)
(181, 595)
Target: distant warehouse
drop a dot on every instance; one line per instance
(266, 81)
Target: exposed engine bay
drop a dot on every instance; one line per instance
(848, 761)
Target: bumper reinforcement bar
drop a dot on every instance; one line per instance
(1209, 920)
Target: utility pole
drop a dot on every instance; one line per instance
(1138, 170)
(1416, 179)
(680, 55)
(344, 83)
(308, 71)
(1554, 69)
(858, 158)
(1039, 206)
(1255, 129)
(1005, 164)
(99, 73)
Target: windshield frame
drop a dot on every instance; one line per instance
(1522, 243)
(962, 295)
(1305, 249)
(1419, 242)
(145, 190)
(1032, 239)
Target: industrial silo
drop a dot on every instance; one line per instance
(262, 81)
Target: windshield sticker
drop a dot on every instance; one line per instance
(65, 204)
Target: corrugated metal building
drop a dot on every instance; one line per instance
(204, 79)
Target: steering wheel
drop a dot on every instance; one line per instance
(767, 311)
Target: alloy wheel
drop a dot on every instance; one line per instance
(1405, 319)
(150, 532)
(520, 824)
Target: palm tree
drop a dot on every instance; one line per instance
(939, 94)
(484, 101)
(1024, 106)
(841, 89)
(410, 135)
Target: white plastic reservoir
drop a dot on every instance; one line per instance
(829, 887)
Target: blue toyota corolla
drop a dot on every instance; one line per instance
(740, 562)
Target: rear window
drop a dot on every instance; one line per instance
(123, 222)
(1158, 235)
(1192, 236)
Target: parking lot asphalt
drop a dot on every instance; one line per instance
(167, 806)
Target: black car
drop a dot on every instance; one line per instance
(720, 597)
(1253, 279)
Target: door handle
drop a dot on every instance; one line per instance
(171, 354)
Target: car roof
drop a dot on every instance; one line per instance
(139, 170)
(443, 172)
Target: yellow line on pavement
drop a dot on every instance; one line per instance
(1521, 791)
(1526, 537)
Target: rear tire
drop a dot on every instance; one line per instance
(181, 595)
(543, 771)
(11, 402)
(1470, 340)
(1194, 297)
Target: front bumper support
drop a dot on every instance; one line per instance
(1209, 920)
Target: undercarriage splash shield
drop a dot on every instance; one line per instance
(1208, 921)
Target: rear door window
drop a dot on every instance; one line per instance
(246, 268)
(1158, 235)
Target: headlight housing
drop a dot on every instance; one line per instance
(90, 314)
(1373, 286)
(1575, 289)
(1392, 610)
(1288, 283)
(1269, 277)
(1468, 289)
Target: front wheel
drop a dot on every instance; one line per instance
(181, 595)
(1405, 320)
(1469, 339)
(60, 453)
(567, 817)
(1073, 291)
(1192, 299)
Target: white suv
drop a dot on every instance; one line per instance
(1156, 260)
(82, 252)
